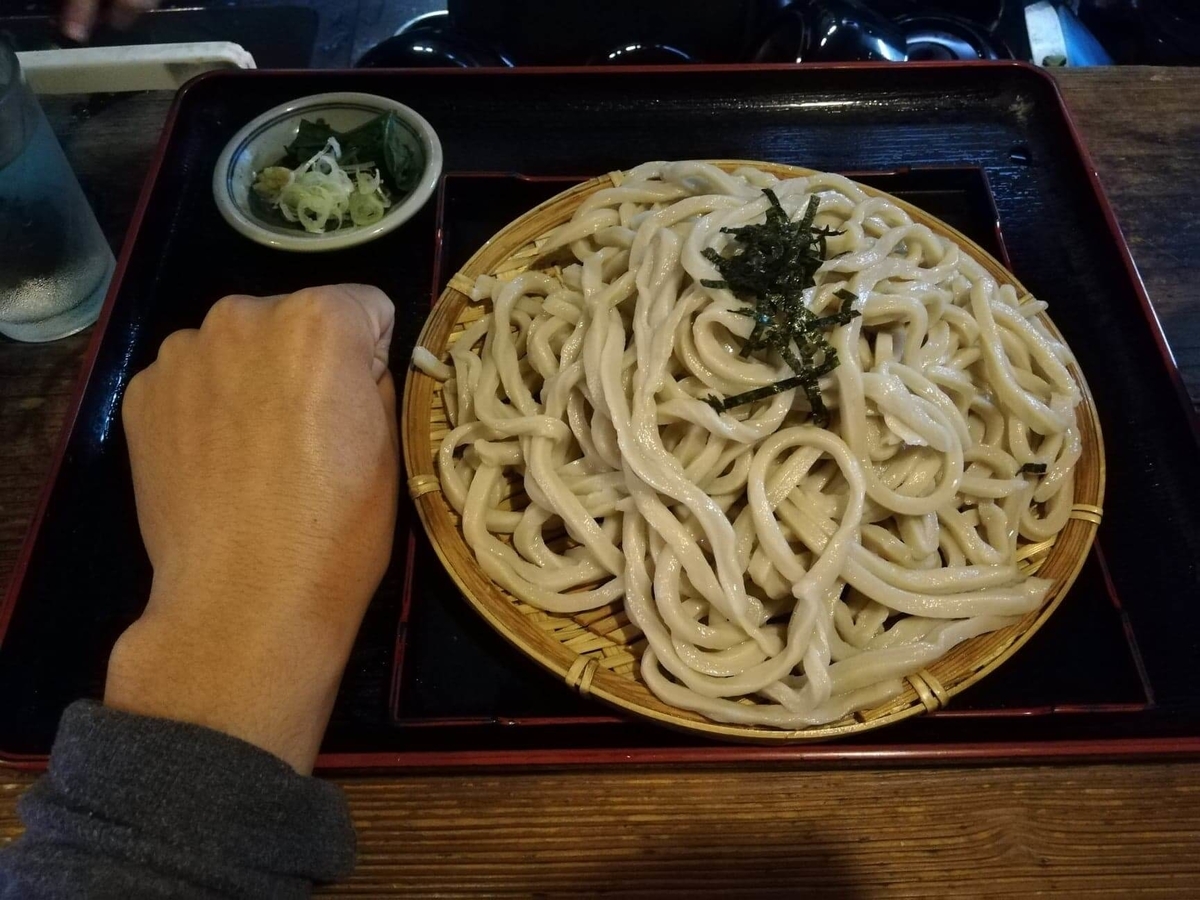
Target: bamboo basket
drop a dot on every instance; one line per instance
(596, 653)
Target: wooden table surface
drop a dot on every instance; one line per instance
(1111, 830)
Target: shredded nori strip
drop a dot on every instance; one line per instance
(772, 264)
(1032, 469)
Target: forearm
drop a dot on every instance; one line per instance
(180, 662)
(140, 807)
(265, 463)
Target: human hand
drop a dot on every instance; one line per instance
(265, 465)
(79, 16)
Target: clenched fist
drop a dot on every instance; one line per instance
(265, 465)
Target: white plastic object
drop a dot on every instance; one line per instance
(1046, 38)
(150, 67)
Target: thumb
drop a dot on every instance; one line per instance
(377, 321)
(387, 393)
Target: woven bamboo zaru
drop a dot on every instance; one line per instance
(596, 653)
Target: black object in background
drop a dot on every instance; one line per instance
(278, 37)
(1172, 30)
(831, 31)
(648, 32)
(949, 38)
(1146, 32)
(432, 42)
(553, 32)
(334, 33)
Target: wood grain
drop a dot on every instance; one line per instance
(1094, 831)
(779, 833)
(1078, 831)
(1143, 132)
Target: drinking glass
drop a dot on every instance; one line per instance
(55, 263)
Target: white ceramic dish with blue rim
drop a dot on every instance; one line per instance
(263, 141)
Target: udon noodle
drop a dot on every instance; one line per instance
(782, 573)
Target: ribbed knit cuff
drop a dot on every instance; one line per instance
(191, 802)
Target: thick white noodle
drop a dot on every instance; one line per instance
(783, 574)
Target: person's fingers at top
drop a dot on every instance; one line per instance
(125, 12)
(79, 18)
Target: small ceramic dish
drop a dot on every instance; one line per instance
(263, 141)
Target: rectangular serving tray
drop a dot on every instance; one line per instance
(987, 147)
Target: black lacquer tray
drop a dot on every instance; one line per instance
(988, 148)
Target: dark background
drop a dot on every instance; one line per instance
(336, 33)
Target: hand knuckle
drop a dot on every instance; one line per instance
(173, 347)
(313, 312)
(228, 310)
(133, 404)
(135, 392)
(314, 302)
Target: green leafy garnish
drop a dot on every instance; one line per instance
(385, 142)
(1032, 469)
(772, 265)
(310, 139)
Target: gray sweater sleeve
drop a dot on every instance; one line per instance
(138, 807)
